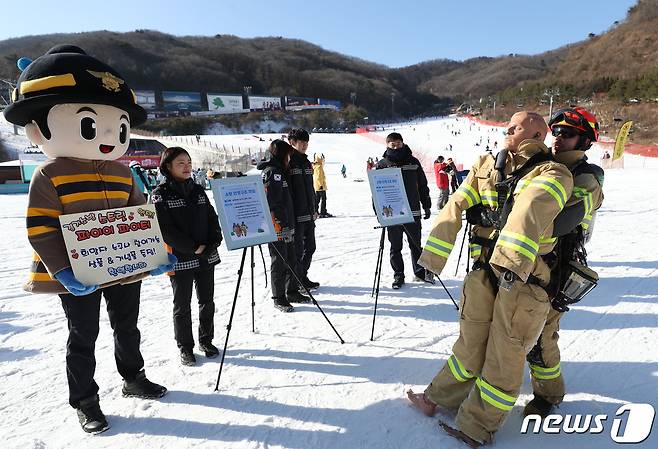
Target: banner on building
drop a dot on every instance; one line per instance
(301, 103)
(225, 104)
(146, 99)
(332, 104)
(182, 102)
(264, 103)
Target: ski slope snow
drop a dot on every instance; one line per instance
(291, 384)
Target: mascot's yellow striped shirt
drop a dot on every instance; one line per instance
(539, 196)
(67, 186)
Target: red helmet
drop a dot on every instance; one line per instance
(579, 118)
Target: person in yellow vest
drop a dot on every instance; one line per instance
(574, 130)
(320, 186)
(510, 200)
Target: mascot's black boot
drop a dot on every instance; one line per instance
(141, 387)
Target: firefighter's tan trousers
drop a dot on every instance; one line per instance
(483, 377)
(546, 373)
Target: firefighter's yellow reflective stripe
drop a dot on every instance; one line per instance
(539, 372)
(553, 187)
(587, 221)
(438, 246)
(475, 250)
(519, 243)
(489, 197)
(458, 370)
(521, 186)
(547, 240)
(42, 212)
(579, 192)
(468, 192)
(494, 396)
(38, 230)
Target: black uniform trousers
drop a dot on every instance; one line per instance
(413, 239)
(321, 201)
(82, 314)
(304, 246)
(282, 280)
(204, 282)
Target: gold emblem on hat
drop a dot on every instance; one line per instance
(110, 82)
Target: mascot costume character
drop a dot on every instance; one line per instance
(79, 111)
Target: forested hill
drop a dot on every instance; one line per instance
(622, 62)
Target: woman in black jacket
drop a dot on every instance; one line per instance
(275, 178)
(190, 228)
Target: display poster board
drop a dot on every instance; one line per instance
(389, 197)
(106, 245)
(243, 211)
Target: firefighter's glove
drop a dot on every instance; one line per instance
(74, 286)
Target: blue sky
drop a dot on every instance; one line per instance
(394, 33)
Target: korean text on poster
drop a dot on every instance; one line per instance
(106, 245)
(243, 211)
(389, 197)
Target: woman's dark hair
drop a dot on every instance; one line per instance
(280, 149)
(168, 156)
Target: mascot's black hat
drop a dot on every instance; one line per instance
(66, 74)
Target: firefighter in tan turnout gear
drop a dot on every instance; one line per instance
(574, 131)
(511, 201)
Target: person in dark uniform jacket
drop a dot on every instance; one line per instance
(275, 178)
(190, 228)
(303, 198)
(415, 183)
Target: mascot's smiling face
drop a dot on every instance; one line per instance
(84, 131)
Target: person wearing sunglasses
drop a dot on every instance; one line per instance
(574, 130)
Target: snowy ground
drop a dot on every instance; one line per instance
(291, 383)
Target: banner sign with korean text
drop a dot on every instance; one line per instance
(107, 245)
(243, 211)
(389, 197)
